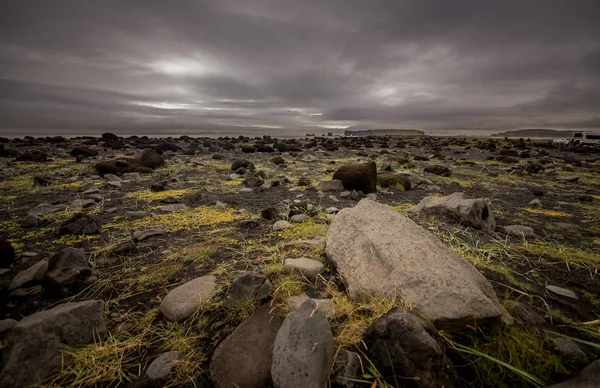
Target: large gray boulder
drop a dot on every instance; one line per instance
(38, 342)
(458, 208)
(244, 358)
(181, 302)
(398, 345)
(69, 271)
(303, 350)
(377, 251)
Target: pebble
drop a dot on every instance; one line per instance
(562, 291)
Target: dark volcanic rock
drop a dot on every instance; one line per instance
(359, 177)
(250, 285)
(389, 179)
(254, 182)
(438, 170)
(83, 151)
(117, 166)
(69, 272)
(110, 136)
(244, 358)
(399, 345)
(7, 253)
(38, 341)
(79, 224)
(42, 181)
(242, 163)
(265, 148)
(303, 349)
(248, 149)
(151, 159)
(163, 147)
(32, 156)
(278, 160)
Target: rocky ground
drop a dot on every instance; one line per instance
(248, 262)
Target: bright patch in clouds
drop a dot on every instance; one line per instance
(180, 67)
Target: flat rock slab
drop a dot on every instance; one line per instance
(562, 292)
(304, 266)
(244, 358)
(141, 235)
(303, 349)
(377, 251)
(181, 302)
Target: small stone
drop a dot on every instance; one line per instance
(519, 230)
(535, 202)
(325, 305)
(332, 185)
(332, 210)
(307, 267)
(345, 194)
(250, 285)
(181, 302)
(250, 224)
(569, 350)
(141, 235)
(562, 292)
(298, 218)
(31, 221)
(280, 225)
(174, 207)
(161, 367)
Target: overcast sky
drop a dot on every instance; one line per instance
(150, 66)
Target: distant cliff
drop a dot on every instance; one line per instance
(380, 132)
(535, 132)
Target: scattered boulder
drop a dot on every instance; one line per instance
(29, 276)
(242, 163)
(254, 182)
(250, 285)
(304, 181)
(438, 170)
(181, 302)
(303, 349)
(332, 185)
(398, 345)
(151, 159)
(39, 342)
(80, 223)
(7, 254)
(377, 251)
(117, 166)
(31, 221)
(161, 367)
(391, 180)
(84, 151)
(245, 357)
(69, 271)
(359, 177)
(458, 208)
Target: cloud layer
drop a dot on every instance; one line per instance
(191, 66)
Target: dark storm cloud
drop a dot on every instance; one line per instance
(160, 66)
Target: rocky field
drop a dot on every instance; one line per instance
(342, 262)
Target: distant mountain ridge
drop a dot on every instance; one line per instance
(535, 132)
